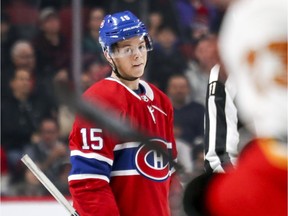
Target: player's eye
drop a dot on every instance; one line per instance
(127, 51)
(142, 48)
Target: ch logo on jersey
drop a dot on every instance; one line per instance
(151, 163)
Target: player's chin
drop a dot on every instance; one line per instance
(138, 71)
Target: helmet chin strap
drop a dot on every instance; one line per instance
(117, 73)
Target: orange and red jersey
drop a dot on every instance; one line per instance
(258, 185)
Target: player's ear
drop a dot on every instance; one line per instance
(108, 57)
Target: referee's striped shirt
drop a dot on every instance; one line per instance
(221, 133)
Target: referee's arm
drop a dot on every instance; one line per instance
(221, 133)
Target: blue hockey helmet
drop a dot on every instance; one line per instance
(121, 26)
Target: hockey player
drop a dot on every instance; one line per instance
(111, 176)
(253, 46)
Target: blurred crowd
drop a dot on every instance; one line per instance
(36, 53)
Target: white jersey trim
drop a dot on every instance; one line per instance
(91, 156)
(148, 91)
(124, 173)
(126, 145)
(161, 111)
(128, 89)
(87, 176)
(172, 171)
(168, 144)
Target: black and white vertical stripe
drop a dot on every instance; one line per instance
(221, 133)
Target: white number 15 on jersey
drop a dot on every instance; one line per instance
(94, 140)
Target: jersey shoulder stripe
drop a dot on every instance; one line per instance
(124, 159)
(88, 176)
(91, 155)
(124, 173)
(126, 145)
(82, 165)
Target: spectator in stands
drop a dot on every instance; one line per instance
(136, 7)
(189, 115)
(155, 20)
(51, 47)
(62, 176)
(206, 56)
(191, 158)
(86, 81)
(22, 57)
(23, 15)
(168, 12)
(66, 16)
(191, 12)
(207, 53)
(94, 64)
(49, 152)
(220, 9)
(21, 114)
(90, 41)
(29, 187)
(95, 69)
(184, 150)
(198, 159)
(9, 35)
(166, 58)
(198, 30)
(65, 118)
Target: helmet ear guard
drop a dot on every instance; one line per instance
(148, 42)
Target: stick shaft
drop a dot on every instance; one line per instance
(48, 184)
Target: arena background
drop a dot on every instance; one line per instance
(181, 23)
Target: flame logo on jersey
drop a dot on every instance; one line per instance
(151, 163)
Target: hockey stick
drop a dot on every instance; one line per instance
(48, 185)
(95, 113)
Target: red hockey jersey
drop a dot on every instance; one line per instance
(113, 177)
(258, 185)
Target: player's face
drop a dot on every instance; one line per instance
(130, 57)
